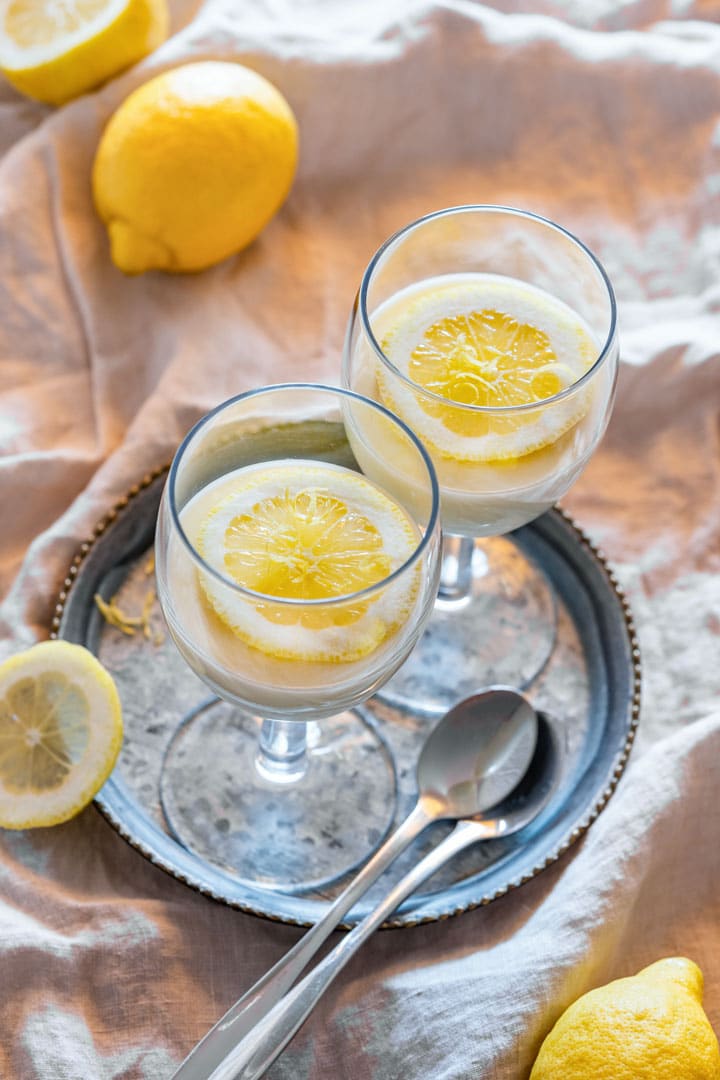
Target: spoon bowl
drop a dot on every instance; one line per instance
(533, 792)
(477, 753)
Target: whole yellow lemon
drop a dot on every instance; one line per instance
(54, 51)
(650, 1026)
(192, 166)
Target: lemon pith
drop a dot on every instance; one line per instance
(519, 347)
(60, 733)
(306, 533)
(650, 1026)
(192, 166)
(54, 52)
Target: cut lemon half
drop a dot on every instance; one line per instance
(54, 50)
(490, 345)
(304, 531)
(60, 733)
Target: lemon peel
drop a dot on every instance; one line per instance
(54, 52)
(192, 166)
(303, 531)
(128, 624)
(650, 1026)
(60, 733)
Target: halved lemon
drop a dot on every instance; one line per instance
(304, 531)
(489, 343)
(60, 733)
(54, 50)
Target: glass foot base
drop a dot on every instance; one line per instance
(291, 837)
(500, 630)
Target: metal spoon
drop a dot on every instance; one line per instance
(256, 1052)
(471, 760)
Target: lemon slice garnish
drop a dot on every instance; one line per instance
(306, 532)
(486, 357)
(60, 733)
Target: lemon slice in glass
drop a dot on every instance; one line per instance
(492, 344)
(60, 733)
(304, 531)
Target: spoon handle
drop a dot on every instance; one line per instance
(256, 1051)
(269, 989)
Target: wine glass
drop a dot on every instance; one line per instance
(492, 333)
(294, 585)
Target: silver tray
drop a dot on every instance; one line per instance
(591, 688)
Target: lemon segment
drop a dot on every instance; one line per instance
(306, 532)
(192, 166)
(60, 733)
(55, 51)
(489, 343)
(650, 1026)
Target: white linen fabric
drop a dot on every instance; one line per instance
(604, 116)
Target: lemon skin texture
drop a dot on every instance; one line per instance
(192, 166)
(650, 1026)
(140, 26)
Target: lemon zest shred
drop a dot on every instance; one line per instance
(145, 614)
(130, 624)
(115, 616)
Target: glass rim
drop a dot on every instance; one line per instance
(292, 602)
(492, 410)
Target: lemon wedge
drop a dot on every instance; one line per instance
(60, 733)
(304, 531)
(54, 50)
(489, 343)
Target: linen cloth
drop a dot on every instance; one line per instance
(603, 115)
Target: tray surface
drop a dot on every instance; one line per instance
(590, 688)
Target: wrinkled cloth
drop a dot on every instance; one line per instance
(604, 116)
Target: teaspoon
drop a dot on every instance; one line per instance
(256, 1052)
(471, 760)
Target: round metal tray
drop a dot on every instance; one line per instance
(590, 688)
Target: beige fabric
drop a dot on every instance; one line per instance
(603, 115)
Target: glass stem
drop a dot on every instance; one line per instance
(282, 752)
(456, 567)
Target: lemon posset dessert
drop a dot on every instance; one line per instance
(302, 531)
(491, 332)
(472, 357)
(294, 586)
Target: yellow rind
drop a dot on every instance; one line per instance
(649, 1026)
